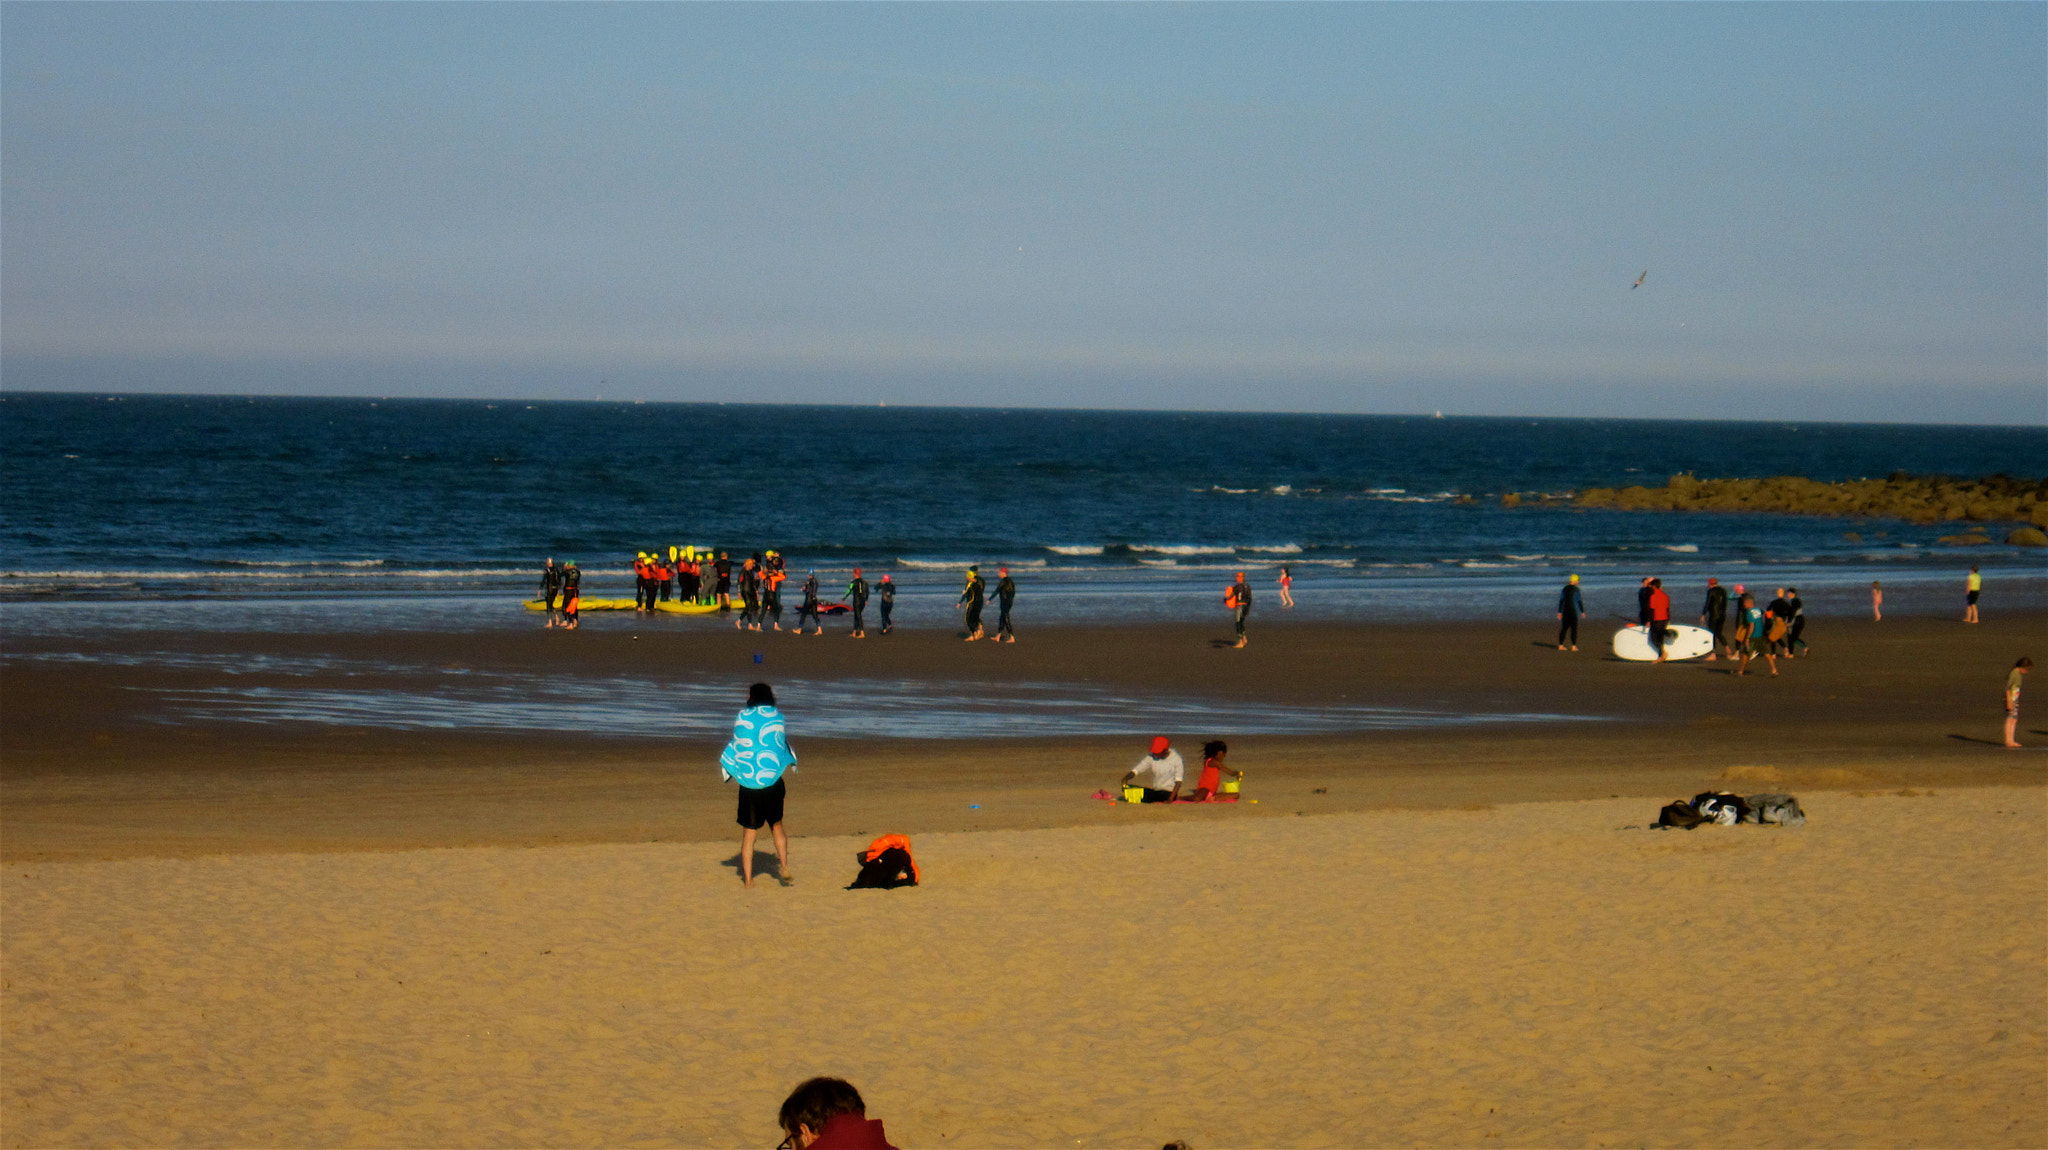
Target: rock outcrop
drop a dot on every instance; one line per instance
(2026, 537)
(1915, 498)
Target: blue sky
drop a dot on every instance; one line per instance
(1329, 207)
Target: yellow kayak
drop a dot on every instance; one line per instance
(588, 604)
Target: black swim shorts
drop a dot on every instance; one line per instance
(1152, 796)
(1973, 597)
(763, 807)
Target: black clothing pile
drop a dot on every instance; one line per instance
(1724, 809)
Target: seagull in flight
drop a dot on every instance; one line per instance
(1639, 280)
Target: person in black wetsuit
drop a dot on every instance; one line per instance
(857, 595)
(1793, 642)
(1780, 611)
(809, 606)
(1643, 602)
(550, 586)
(1571, 606)
(1714, 613)
(1006, 594)
(723, 569)
(1239, 599)
(973, 597)
(572, 595)
(887, 594)
(750, 597)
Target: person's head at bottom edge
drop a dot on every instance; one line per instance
(813, 1105)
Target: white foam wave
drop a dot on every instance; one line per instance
(1386, 491)
(961, 565)
(1074, 549)
(1181, 549)
(1283, 489)
(1277, 549)
(1219, 490)
(1684, 548)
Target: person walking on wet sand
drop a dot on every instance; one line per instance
(886, 597)
(1006, 594)
(1876, 601)
(1714, 613)
(1973, 587)
(972, 598)
(808, 608)
(1239, 599)
(1797, 627)
(1286, 587)
(757, 757)
(1750, 637)
(857, 596)
(1571, 607)
(2012, 699)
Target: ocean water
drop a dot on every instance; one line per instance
(290, 513)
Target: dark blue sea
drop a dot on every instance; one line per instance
(277, 512)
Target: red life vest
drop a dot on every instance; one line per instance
(876, 848)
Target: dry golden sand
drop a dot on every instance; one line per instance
(1528, 975)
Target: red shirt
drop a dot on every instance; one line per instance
(1660, 605)
(851, 1132)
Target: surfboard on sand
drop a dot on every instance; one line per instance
(1681, 641)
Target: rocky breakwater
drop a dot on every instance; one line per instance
(1914, 498)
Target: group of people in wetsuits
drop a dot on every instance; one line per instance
(655, 577)
(1767, 632)
(564, 583)
(975, 598)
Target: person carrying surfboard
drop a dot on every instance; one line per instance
(1660, 616)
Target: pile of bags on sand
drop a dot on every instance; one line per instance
(1723, 809)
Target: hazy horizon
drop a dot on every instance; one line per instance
(1344, 209)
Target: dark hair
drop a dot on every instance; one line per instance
(816, 1100)
(1791, 590)
(1214, 747)
(2024, 662)
(1656, 582)
(760, 695)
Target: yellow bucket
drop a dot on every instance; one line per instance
(1230, 786)
(1134, 794)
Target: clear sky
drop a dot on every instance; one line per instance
(1327, 207)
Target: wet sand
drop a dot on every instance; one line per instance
(91, 769)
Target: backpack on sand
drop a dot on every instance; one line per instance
(1776, 810)
(1680, 814)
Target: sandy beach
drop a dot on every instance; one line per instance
(261, 934)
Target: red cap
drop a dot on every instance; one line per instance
(1160, 744)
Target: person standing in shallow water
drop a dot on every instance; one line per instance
(757, 757)
(1571, 607)
(550, 586)
(1286, 587)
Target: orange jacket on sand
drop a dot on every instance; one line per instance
(876, 848)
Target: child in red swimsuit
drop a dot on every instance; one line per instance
(1207, 787)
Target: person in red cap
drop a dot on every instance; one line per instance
(1159, 773)
(1239, 599)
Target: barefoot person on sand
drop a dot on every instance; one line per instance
(1286, 587)
(1571, 607)
(1876, 601)
(2012, 699)
(1714, 614)
(1972, 588)
(756, 758)
(1751, 638)
(1239, 599)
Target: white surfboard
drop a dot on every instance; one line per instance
(1680, 642)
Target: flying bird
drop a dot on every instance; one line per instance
(1639, 280)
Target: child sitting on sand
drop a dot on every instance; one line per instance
(1210, 788)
